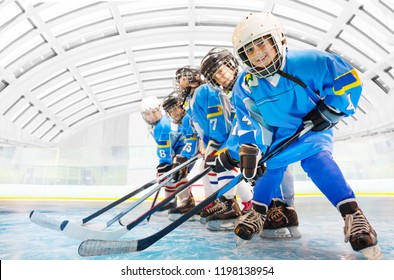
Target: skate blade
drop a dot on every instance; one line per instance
(372, 253)
(174, 217)
(160, 213)
(239, 242)
(282, 233)
(220, 225)
(195, 218)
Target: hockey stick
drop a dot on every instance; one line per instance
(94, 247)
(284, 144)
(153, 204)
(40, 219)
(47, 222)
(81, 232)
(139, 201)
(148, 213)
(147, 185)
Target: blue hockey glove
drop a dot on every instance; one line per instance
(182, 173)
(250, 156)
(323, 117)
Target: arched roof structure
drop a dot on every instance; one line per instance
(65, 66)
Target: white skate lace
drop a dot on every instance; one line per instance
(355, 224)
(252, 220)
(225, 207)
(214, 208)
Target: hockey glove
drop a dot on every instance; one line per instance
(323, 117)
(163, 168)
(212, 147)
(182, 173)
(221, 162)
(250, 156)
(210, 153)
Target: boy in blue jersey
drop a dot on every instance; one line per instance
(279, 92)
(211, 115)
(170, 142)
(172, 105)
(220, 68)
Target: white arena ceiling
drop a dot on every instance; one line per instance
(67, 65)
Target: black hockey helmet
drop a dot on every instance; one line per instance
(194, 79)
(212, 63)
(173, 106)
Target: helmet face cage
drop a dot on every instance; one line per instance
(260, 44)
(152, 116)
(261, 56)
(173, 106)
(151, 110)
(186, 78)
(221, 71)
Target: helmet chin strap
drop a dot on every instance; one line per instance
(189, 91)
(292, 78)
(154, 123)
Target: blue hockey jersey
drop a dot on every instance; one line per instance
(271, 110)
(169, 139)
(211, 114)
(190, 148)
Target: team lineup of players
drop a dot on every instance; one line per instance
(234, 117)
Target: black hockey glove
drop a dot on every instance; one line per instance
(221, 162)
(323, 117)
(163, 168)
(212, 147)
(182, 173)
(210, 153)
(250, 156)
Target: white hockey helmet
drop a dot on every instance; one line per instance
(151, 110)
(259, 28)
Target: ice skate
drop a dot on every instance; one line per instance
(362, 236)
(211, 208)
(225, 218)
(250, 224)
(162, 212)
(281, 222)
(186, 206)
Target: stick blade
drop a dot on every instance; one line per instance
(80, 232)
(42, 220)
(94, 247)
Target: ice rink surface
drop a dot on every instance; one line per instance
(320, 225)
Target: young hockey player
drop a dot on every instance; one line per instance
(220, 68)
(279, 92)
(170, 142)
(172, 105)
(211, 114)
